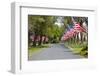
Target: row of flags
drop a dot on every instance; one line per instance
(32, 37)
(72, 31)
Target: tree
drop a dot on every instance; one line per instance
(40, 26)
(34, 25)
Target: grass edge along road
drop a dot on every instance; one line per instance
(77, 49)
(33, 50)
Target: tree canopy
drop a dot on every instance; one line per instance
(44, 26)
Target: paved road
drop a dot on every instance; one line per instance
(55, 51)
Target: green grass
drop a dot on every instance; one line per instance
(77, 48)
(36, 49)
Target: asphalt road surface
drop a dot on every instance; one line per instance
(55, 51)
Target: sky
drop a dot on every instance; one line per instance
(59, 22)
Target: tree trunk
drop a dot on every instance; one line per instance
(40, 42)
(44, 41)
(34, 42)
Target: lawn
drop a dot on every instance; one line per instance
(77, 48)
(36, 49)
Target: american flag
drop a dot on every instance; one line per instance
(72, 31)
(78, 28)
